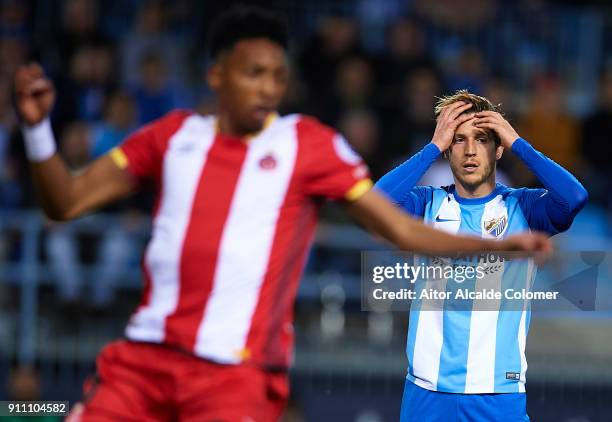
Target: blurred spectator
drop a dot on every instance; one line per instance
(597, 147)
(411, 124)
(297, 98)
(61, 245)
(79, 28)
(353, 89)
(86, 88)
(10, 186)
(360, 127)
(457, 15)
(152, 92)
(334, 40)
(117, 247)
(150, 34)
(406, 50)
(13, 19)
(119, 121)
(24, 385)
(13, 52)
(549, 128)
(467, 71)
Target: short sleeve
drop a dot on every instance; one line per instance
(334, 169)
(142, 152)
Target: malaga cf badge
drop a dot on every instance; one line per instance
(496, 226)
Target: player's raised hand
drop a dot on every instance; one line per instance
(34, 93)
(494, 121)
(448, 121)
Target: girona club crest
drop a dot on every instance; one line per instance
(495, 226)
(268, 162)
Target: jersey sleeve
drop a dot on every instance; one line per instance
(142, 152)
(334, 169)
(399, 183)
(552, 209)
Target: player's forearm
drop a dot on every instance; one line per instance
(399, 181)
(55, 187)
(52, 179)
(416, 236)
(564, 189)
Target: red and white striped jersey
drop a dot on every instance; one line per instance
(232, 225)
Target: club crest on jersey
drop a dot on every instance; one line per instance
(496, 226)
(268, 162)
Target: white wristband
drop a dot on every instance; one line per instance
(39, 141)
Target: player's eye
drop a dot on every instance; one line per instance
(254, 71)
(483, 140)
(457, 140)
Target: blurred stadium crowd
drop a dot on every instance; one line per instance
(371, 68)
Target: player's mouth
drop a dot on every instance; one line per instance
(470, 166)
(262, 112)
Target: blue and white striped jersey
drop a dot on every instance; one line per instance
(469, 350)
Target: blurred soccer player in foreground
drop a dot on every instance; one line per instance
(476, 353)
(237, 200)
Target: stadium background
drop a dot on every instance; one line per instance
(369, 67)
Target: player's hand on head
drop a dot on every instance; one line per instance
(494, 121)
(34, 93)
(447, 123)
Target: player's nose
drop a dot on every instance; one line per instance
(470, 147)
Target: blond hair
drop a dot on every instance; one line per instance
(478, 104)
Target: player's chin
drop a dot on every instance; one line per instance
(472, 180)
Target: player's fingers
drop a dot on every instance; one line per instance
(40, 86)
(36, 70)
(464, 118)
(491, 126)
(488, 113)
(481, 121)
(449, 108)
(23, 77)
(459, 110)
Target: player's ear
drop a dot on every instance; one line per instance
(499, 151)
(213, 76)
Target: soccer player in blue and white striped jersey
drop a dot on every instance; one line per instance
(470, 365)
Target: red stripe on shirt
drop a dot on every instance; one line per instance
(200, 251)
(270, 338)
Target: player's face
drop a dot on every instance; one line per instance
(472, 155)
(250, 81)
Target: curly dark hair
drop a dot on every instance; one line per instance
(244, 22)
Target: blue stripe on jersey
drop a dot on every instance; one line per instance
(415, 308)
(456, 323)
(508, 351)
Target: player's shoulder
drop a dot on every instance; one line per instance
(173, 116)
(520, 194)
(311, 129)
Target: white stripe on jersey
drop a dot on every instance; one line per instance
(246, 244)
(429, 336)
(182, 166)
(480, 375)
(428, 345)
(522, 333)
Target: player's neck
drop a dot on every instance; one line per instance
(480, 191)
(226, 127)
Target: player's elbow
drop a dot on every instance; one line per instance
(580, 200)
(61, 214)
